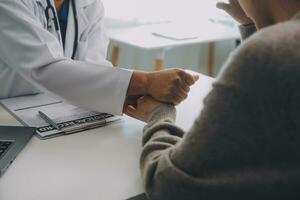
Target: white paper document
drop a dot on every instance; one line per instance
(65, 115)
(180, 31)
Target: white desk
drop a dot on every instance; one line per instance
(100, 164)
(142, 37)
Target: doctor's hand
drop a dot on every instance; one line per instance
(144, 106)
(234, 9)
(170, 86)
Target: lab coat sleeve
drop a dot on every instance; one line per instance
(36, 54)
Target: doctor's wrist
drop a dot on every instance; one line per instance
(138, 83)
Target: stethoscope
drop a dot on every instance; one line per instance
(52, 19)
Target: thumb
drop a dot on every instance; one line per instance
(223, 6)
(189, 79)
(196, 77)
(130, 110)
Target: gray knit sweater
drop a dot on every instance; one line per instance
(246, 142)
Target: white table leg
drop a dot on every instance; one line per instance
(115, 55)
(160, 59)
(211, 59)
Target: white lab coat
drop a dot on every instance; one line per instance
(33, 60)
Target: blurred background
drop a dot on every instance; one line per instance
(187, 17)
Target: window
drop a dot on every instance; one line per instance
(159, 11)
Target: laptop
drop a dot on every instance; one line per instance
(12, 141)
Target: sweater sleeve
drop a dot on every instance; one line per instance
(175, 165)
(294, 105)
(234, 148)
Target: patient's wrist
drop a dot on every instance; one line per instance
(164, 112)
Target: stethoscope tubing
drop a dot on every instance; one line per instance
(49, 9)
(75, 43)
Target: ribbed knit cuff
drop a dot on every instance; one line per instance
(162, 113)
(161, 121)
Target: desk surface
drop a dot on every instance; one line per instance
(142, 37)
(100, 164)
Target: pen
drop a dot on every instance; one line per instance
(48, 120)
(90, 125)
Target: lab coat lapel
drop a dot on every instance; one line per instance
(82, 24)
(43, 3)
(70, 33)
(41, 15)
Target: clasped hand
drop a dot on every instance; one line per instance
(167, 86)
(234, 9)
(149, 90)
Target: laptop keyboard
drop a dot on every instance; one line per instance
(4, 146)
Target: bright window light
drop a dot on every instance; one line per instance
(159, 11)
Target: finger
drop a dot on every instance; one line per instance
(178, 100)
(172, 98)
(223, 6)
(131, 111)
(175, 100)
(196, 78)
(141, 100)
(185, 88)
(179, 97)
(180, 93)
(188, 78)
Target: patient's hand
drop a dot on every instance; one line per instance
(130, 101)
(144, 106)
(234, 9)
